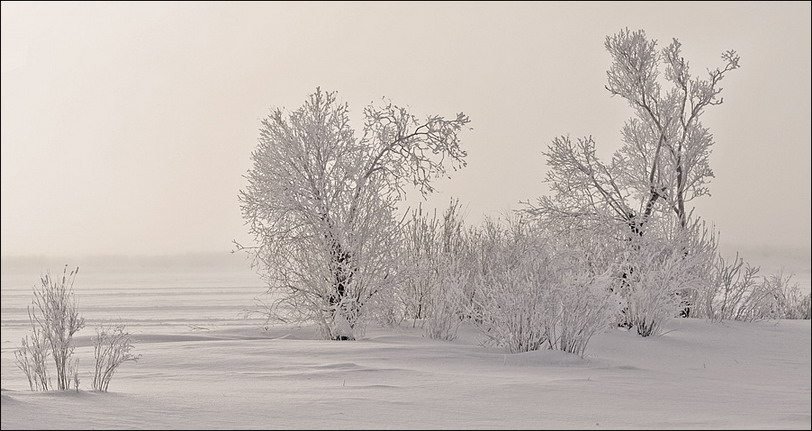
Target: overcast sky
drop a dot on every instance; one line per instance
(126, 128)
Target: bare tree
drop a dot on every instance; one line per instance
(321, 203)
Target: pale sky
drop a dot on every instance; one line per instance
(126, 128)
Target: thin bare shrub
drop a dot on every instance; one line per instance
(738, 292)
(54, 318)
(796, 304)
(32, 359)
(774, 297)
(802, 309)
(111, 347)
(727, 297)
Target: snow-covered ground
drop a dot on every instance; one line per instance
(204, 366)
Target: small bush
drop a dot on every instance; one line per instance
(112, 348)
(579, 307)
(436, 253)
(32, 359)
(727, 295)
(537, 290)
(508, 305)
(775, 297)
(737, 292)
(446, 303)
(803, 309)
(664, 273)
(54, 318)
(793, 304)
(654, 286)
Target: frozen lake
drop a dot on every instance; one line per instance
(146, 299)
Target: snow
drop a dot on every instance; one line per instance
(204, 366)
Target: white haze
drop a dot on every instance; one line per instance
(127, 127)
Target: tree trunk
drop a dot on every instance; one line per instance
(342, 277)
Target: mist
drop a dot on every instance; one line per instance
(127, 128)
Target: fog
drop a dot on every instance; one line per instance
(126, 128)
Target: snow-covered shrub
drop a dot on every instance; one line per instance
(111, 348)
(650, 289)
(509, 300)
(798, 304)
(436, 266)
(774, 297)
(802, 309)
(54, 318)
(699, 244)
(541, 291)
(662, 275)
(738, 292)
(421, 255)
(32, 358)
(580, 306)
(766, 300)
(447, 301)
(791, 303)
(732, 284)
(581, 302)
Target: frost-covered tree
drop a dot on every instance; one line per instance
(663, 162)
(321, 204)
